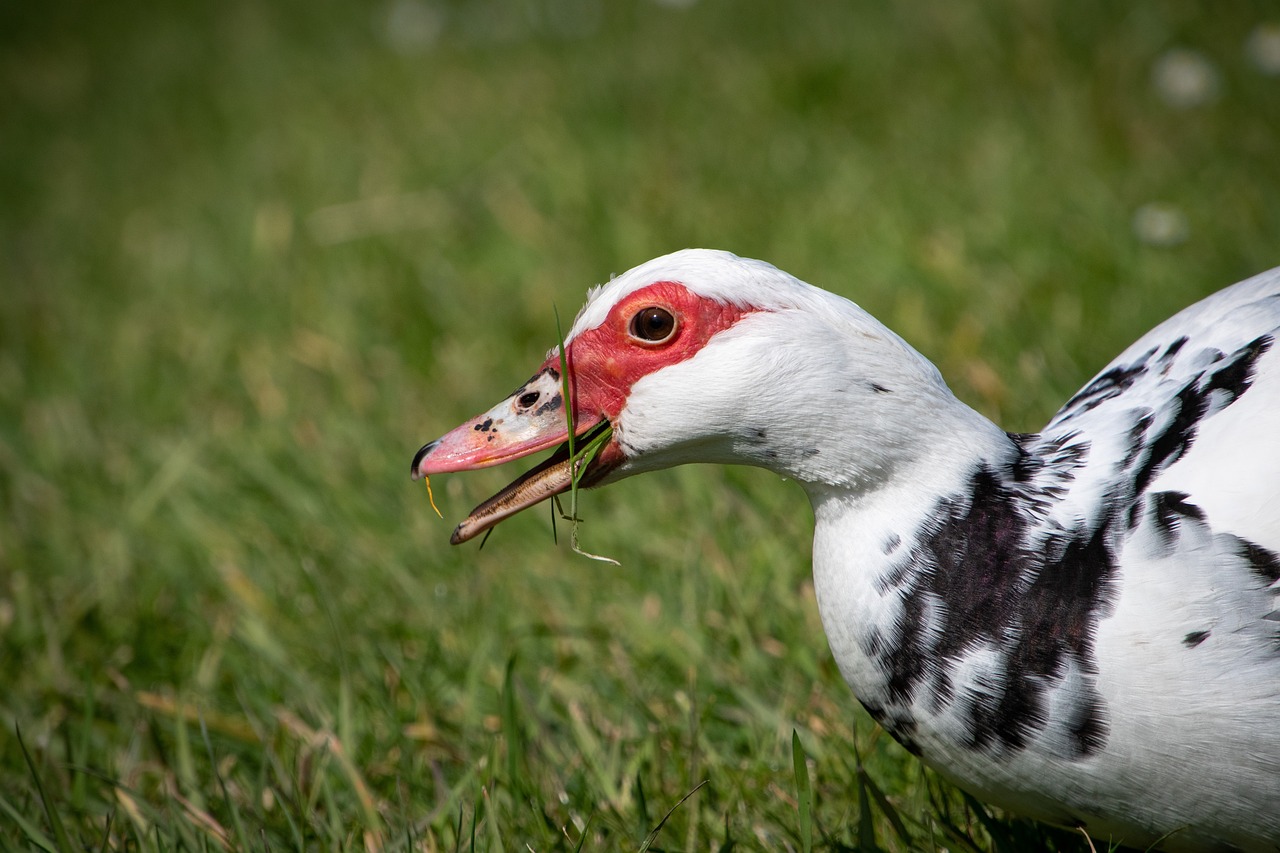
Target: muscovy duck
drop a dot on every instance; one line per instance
(1080, 625)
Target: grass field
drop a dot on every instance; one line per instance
(254, 254)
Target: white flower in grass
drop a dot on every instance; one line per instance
(410, 26)
(1185, 78)
(1263, 48)
(1159, 223)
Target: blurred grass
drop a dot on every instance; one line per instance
(253, 255)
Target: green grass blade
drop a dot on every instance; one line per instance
(555, 511)
(475, 819)
(642, 802)
(582, 836)
(804, 792)
(184, 763)
(241, 836)
(60, 836)
(79, 750)
(653, 834)
(566, 391)
(106, 831)
(516, 773)
(457, 834)
(728, 845)
(30, 830)
(882, 802)
(589, 452)
(491, 822)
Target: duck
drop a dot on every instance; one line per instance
(1080, 625)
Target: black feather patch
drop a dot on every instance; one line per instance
(1169, 510)
(1110, 384)
(1195, 638)
(1263, 562)
(1207, 394)
(972, 582)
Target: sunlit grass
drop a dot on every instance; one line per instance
(254, 254)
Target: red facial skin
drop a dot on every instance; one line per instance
(605, 362)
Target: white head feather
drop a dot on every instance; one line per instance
(808, 384)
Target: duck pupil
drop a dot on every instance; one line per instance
(654, 324)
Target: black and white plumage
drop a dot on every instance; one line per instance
(1081, 625)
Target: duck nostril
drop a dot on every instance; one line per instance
(528, 400)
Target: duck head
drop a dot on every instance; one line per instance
(697, 356)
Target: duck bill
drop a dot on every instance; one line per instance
(531, 420)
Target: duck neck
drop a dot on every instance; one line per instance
(917, 446)
(875, 538)
(955, 603)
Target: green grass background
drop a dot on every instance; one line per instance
(253, 254)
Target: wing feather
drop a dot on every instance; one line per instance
(1192, 407)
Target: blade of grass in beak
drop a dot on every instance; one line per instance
(564, 381)
(577, 464)
(589, 452)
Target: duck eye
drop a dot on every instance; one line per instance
(653, 325)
